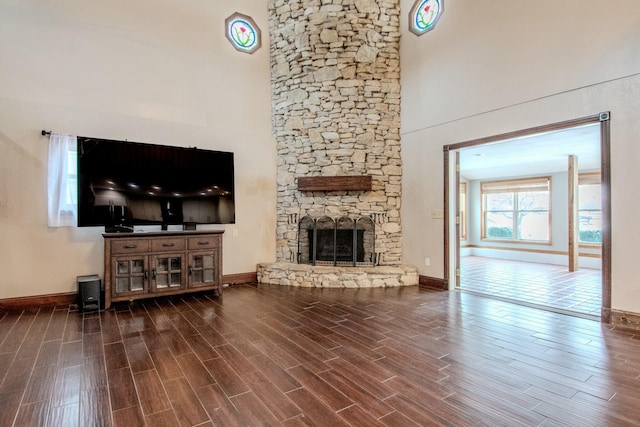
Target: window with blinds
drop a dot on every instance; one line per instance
(517, 210)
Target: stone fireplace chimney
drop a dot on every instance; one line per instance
(335, 82)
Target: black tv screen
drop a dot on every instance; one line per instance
(122, 184)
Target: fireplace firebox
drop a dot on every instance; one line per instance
(345, 241)
(338, 245)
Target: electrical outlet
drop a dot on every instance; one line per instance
(427, 261)
(234, 232)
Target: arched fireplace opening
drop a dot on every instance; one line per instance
(342, 242)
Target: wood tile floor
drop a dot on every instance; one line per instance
(265, 355)
(544, 285)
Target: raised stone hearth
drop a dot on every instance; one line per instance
(309, 276)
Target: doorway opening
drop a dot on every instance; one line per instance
(527, 217)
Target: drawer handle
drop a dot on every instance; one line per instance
(130, 246)
(168, 245)
(203, 243)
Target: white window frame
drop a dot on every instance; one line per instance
(589, 178)
(515, 186)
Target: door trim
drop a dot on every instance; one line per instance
(451, 176)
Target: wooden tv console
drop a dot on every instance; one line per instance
(149, 264)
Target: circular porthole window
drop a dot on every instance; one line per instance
(424, 15)
(243, 33)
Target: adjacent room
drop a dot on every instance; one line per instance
(515, 220)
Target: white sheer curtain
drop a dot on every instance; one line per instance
(62, 179)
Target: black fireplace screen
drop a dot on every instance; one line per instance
(338, 244)
(345, 242)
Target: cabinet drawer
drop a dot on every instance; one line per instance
(168, 244)
(204, 242)
(132, 246)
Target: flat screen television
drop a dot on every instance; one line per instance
(122, 184)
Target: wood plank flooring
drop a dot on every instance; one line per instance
(265, 355)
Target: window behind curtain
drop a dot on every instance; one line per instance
(517, 210)
(62, 181)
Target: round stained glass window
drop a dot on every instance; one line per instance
(243, 33)
(424, 15)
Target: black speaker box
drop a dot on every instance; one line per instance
(89, 293)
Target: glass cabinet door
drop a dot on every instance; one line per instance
(130, 275)
(203, 268)
(167, 272)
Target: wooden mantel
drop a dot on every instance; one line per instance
(335, 183)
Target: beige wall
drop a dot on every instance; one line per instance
(491, 67)
(147, 71)
(162, 72)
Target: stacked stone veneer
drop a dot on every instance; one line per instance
(336, 111)
(309, 276)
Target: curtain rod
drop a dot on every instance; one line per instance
(45, 132)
